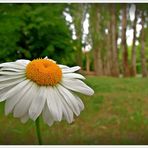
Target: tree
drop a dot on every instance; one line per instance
(35, 30)
(133, 56)
(143, 59)
(115, 66)
(95, 35)
(44, 32)
(78, 12)
(109, 62)
(9, 24)
(124, 44)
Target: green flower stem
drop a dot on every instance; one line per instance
(38, 131)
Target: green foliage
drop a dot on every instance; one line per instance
(35, 30)
(8, 31)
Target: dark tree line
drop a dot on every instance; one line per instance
(110, 58)
(37, 30)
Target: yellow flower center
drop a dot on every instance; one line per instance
(44, 72)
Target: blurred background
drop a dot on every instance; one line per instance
(104, 39)
(109, 42)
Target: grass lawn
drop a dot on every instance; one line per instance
(116, 114)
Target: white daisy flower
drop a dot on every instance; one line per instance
(41, 86)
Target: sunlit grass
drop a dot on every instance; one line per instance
(116, 114)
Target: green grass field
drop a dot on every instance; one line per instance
(116, 114)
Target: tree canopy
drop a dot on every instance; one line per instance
(33, 31)
(29, 31)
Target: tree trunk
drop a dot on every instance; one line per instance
(133, 58)
(95, 33)
(97, 62)
(109, 62)
(87, 63)
(115, 66)
(79, 52)
(124, 45)
(78, 14)
(143, 59)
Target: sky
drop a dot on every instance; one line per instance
(129, 32)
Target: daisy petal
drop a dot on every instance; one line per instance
(80, 103)
(15, 90)
(70, 70)
(8, 83)
(6, 78)
(4, 90)
(12, 69)
(25, 118)
(38, 103)
(70, 99)
(12, 100)
(23, 105)
(8, 73)
(23, 62)
(47, 116)
(66, 110)
(78, 86)
(73, 76)
(62, 66)
(53, 104)
(14, 65)
(67, 113)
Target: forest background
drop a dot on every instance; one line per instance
(104, 39)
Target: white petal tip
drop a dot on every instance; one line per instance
(77, 114)
(50, 124)
(78, 67)
(46, 57)
(91, 92)
(32, 116)
(70, 121)
(24, 120)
